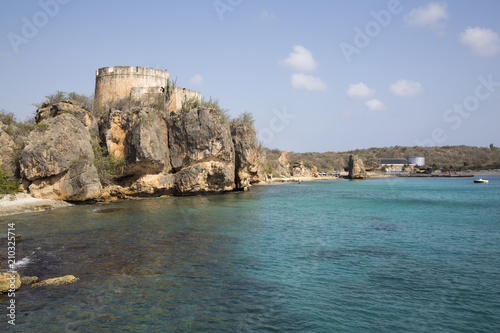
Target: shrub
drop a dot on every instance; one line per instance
(7, 118)
(213, 104)
(108, 166)
(7, 186)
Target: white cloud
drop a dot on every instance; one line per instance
(405, 88)
(307, 82)
(375, 105)
(196, 80)
(430, 16)
(265, 15)
(300, 60)
(483, 42)
(360, 91)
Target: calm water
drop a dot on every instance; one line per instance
(381, 255)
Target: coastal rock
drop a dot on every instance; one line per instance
(25, 280)
(247, 165)
(116, 134)
(148, 150)
(356, 168)
(299, 170)
(55, 281)
(8, 280)
(205, 177)
(198, 135)
(48, 110)
(146, 185)
(58, 161)
(10, 143)
(283, 167)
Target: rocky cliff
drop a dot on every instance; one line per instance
(356, 168)
(134, 150)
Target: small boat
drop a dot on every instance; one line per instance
(480, 181)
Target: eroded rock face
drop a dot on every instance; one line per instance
(205, 177)
(356, 168)
(7, 152)
(196, 136)
(202, 152)
(247, 164)
(58, 161)
(299, 170)
(148, 143)
(46, 111)
(283, 167)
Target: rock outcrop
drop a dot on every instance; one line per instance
(57, 161)
(283, 167)
(202, 152)
(139, 150)
(49, 110)
(356, 168)
(56, 281)
(299, 170)
(9, 281)
(246, 151)
(7, 153)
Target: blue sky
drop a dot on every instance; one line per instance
(317, 75)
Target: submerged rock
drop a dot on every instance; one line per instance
(9, 281)
(56, 281)
(25, 280)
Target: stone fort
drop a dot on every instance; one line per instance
(137, 83)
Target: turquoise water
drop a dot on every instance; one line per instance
(380, 255)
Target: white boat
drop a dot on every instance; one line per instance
(481, 181)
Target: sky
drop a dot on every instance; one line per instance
(316, 75)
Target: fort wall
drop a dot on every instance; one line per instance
(115, 83)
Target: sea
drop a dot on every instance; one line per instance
(376, 255)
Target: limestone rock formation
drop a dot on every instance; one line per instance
(148, 143)
(8, 280)
(48, 110)
(205, 177)
(198, 135)
(58, 161)
(7, 152)
(247, 163)
(356, 168)
(299, 170)
(283, 167)
(202, 152)
(26, 280)
(55, 281)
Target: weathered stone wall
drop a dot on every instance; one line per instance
(115, 83)
(180, 95)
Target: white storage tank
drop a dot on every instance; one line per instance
(417, 160)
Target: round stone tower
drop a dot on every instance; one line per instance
(115, 83)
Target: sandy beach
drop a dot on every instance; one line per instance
(23, 203)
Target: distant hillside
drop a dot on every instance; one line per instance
(455, 157)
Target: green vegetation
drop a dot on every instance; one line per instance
(213, 104)
(245, 118)
(7, 186)
(456, 157)
(108, 166)
(85, 101)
